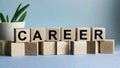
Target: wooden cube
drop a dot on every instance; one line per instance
(15, 49)
(83, 34)
(92, 47)
(107, 46)
(52, 34)
(79, 47)
(3, 45)
(31, 48)
(37, 34)
(98, 34)
(67, 34)
(62, 47)
(22, 35)
(47, 48)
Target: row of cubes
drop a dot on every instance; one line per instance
(59, 34)
(56, 48)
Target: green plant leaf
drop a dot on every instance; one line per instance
(13, 19)
(2, 18)
(22, 17)
(19, 12)
(7, 18)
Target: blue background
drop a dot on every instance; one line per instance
(67, 13)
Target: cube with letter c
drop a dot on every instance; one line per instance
(22, 35)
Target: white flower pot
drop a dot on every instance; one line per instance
(7, 30)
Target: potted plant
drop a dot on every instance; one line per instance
(7, 26)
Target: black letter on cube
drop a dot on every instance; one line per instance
(37, 35)
(52, 33)
(67, 34)
(20, 36)
(98, 34)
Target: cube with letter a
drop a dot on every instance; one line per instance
(37, 34)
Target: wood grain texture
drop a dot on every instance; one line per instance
(107, 46)
(79, 47)
(47, 48)
(3, 45)
(15, 49)
(31, 48)
(92, 47)
(62, 47)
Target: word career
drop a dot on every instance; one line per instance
(60, 34)
(58, 41)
